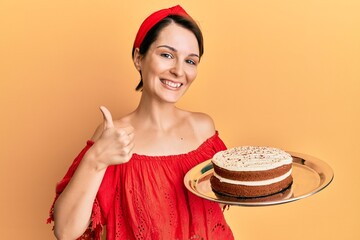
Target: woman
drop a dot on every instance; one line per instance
(129, 176)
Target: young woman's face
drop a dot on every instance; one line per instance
(170, 65)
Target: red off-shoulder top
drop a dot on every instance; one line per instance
(145, 198)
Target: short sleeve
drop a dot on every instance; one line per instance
(218, 144)
(102, 202)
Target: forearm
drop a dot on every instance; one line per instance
(72, 210)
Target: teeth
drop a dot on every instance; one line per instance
(172, 84)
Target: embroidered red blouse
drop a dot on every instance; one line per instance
(145, 198)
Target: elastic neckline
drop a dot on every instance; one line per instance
(172, 156)
(180, 155)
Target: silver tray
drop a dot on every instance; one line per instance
(310, 175)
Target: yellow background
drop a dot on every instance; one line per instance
(280, 73)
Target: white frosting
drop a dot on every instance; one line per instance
(251, 158)
(254, 183)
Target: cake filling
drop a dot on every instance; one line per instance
(254, 183)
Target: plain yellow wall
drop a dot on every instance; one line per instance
(280, 73)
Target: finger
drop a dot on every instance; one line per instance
(124, 139)
(129, 149)
(126, 130)
(128, 140)
(131, 136)
(107, 117)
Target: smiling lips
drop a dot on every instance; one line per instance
(171, 84)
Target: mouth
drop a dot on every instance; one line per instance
(171, 84)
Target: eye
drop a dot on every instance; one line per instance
(190, 61)
(166, 55)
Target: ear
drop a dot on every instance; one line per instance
(137, 59)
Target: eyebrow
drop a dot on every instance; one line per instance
(174, 50)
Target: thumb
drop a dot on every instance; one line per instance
(108, 122)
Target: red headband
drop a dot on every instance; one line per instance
(154, 18)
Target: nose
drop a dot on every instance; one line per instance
(177, 69)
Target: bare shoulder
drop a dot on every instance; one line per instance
(203, 125)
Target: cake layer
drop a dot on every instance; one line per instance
(252, 175)
(251, 158)
(287, 193)
(249, 191)
(255, 183)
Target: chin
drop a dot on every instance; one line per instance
(168, 100)
(171, 98)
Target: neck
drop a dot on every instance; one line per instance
(156, 114)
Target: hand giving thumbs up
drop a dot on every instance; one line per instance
(115, 144)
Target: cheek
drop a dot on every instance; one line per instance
(192, 75)
(149, 71)
(157, 67)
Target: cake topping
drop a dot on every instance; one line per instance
(251, 158)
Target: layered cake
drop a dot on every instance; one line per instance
(251, 171)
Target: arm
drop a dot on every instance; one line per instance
(73, 208)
